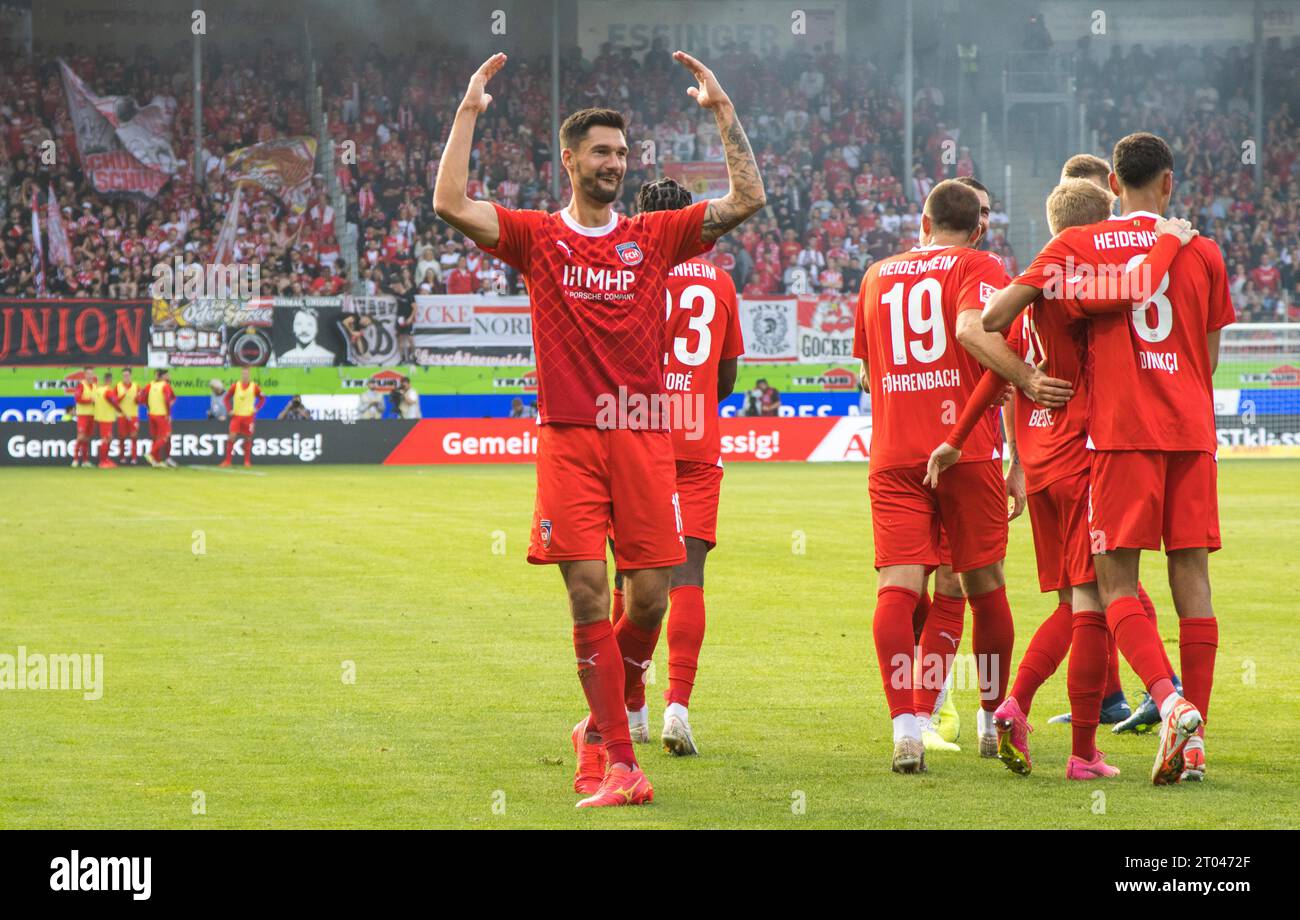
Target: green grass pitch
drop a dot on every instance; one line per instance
(225, 690)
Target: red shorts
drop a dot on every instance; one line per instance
(908, 518)
(699, 485)
(241, 425)
(1139, 497)
(591, 482)
(1059, 515)
(85, 426)
(160, 427)
(128, 427)
(105, 431)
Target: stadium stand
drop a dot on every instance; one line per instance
(827, 133)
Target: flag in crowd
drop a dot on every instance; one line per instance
(125, 149)
(282, 167)
(39, 254)
(60, 250)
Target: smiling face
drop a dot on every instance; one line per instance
(598, 164)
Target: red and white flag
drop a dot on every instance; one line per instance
(282, 167)
(38, 254)
(224, 252)
(60, 250)
(125, 149)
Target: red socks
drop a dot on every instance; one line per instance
(939, 641)
(600, 669)
(637, 648)
(685, 636)
(230, 447)
(1145, 600)
(891, 627)
(919, 615)
(992, 636)
(1085, 679)
(618, 604)
(1139, 643)
(1046, 651)
(1113, 685)
(1198, 640)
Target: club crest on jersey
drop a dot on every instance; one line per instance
(630, 253)
(545, 527)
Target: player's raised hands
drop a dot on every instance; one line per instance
(1051, 392)
(709, 93)
(1178, 227)
(942, 457)
(477, 97)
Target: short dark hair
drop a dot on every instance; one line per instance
(158, 374)
(577, 125)
(1139, 158)
(972, 182)
(952, 205)
(1085, 166)
(662, 195)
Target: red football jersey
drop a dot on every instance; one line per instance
(1149, 380)
(703, 328)
(597, 297)
(1053, 443)
(920, 376)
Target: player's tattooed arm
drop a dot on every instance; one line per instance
(476, 219)
(746, 195)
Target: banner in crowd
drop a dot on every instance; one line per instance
(282, 167)
(704, 179)
(308, 331)
(369, 327)
(43, 332)
(124, 149)
(210, 332)
(709, 30)
(769, 328)
(451, 329)
(826, 327)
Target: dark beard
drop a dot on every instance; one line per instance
(597, 192)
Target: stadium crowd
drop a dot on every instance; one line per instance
(826, 131)
(251, 95)
(1201, 102)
